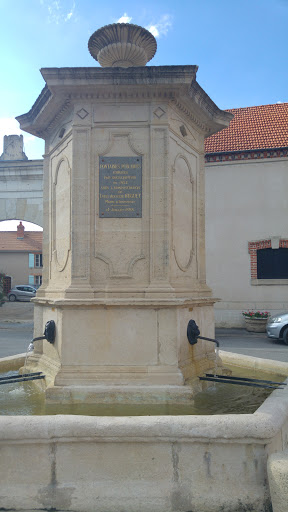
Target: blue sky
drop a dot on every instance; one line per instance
(239, 46)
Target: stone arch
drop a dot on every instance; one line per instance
(23, 211)
(21, 190)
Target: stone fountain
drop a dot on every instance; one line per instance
(124, 246)
(124, 258)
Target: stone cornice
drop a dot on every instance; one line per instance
(50, 126)
(20, 164)
(219, 119)
(180, 106)
(148, 75)
(36, 108)
(152, 83)
(120, 302)
(201, 98)
(254, 154)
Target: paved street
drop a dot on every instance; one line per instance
(15, 338)
(251, 344)
(17, 312)
(16, 332)
(16, 327)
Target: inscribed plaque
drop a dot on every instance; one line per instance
(120, 186)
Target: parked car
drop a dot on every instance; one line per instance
(277, 327)
(21, 292)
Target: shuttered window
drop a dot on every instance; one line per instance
(31, 260)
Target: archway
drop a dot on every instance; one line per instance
(21, 184)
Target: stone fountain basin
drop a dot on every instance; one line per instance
(144, 464)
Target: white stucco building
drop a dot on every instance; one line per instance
(246, 213)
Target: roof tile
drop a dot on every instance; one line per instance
(32, 241)
(253, 128)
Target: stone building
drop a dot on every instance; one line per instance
(21, 183)
(21, 257)
(246, 213)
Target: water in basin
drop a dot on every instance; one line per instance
(25, 398)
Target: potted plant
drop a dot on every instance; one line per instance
(255, 321)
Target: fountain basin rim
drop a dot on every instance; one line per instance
(257, 427)
(255, 363)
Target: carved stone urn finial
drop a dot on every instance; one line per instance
(122, 45)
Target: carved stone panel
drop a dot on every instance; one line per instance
(119, 234)
(182, 214)
(61, 214)
(159, 207)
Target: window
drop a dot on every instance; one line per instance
(269, 261)
(38, 260)
(272, 263)
(35, 260)
(38, 280)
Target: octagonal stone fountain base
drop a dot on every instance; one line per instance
(159, 463)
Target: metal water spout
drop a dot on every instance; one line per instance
(49, 333)
(193, 333)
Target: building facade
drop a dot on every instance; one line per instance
(21, 183)
(21, 257)
(246, 213)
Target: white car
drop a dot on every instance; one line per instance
(21, 292)
(277, 327)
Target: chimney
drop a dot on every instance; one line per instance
(20, 231)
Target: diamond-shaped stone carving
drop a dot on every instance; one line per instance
(82, 113)
(159, 112)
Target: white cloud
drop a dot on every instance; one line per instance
(59, 11)
(33, 147)
(153, 29)
(161, 28)
(71, 13)
(124, 19)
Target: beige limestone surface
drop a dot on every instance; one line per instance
(278, 480)
(122, 289)
(159, 463)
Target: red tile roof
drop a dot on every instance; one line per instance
(32, 241)
(253, 128)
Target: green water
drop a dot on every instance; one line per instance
(25, 398)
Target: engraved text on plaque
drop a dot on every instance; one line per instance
(120, 186)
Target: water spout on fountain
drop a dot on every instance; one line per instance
(30, 348)
(216, 360)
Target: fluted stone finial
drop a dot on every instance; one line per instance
(122, 45)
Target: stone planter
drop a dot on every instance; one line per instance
(255, 324)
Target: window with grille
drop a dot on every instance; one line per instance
(38, 280)
(38, 260)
